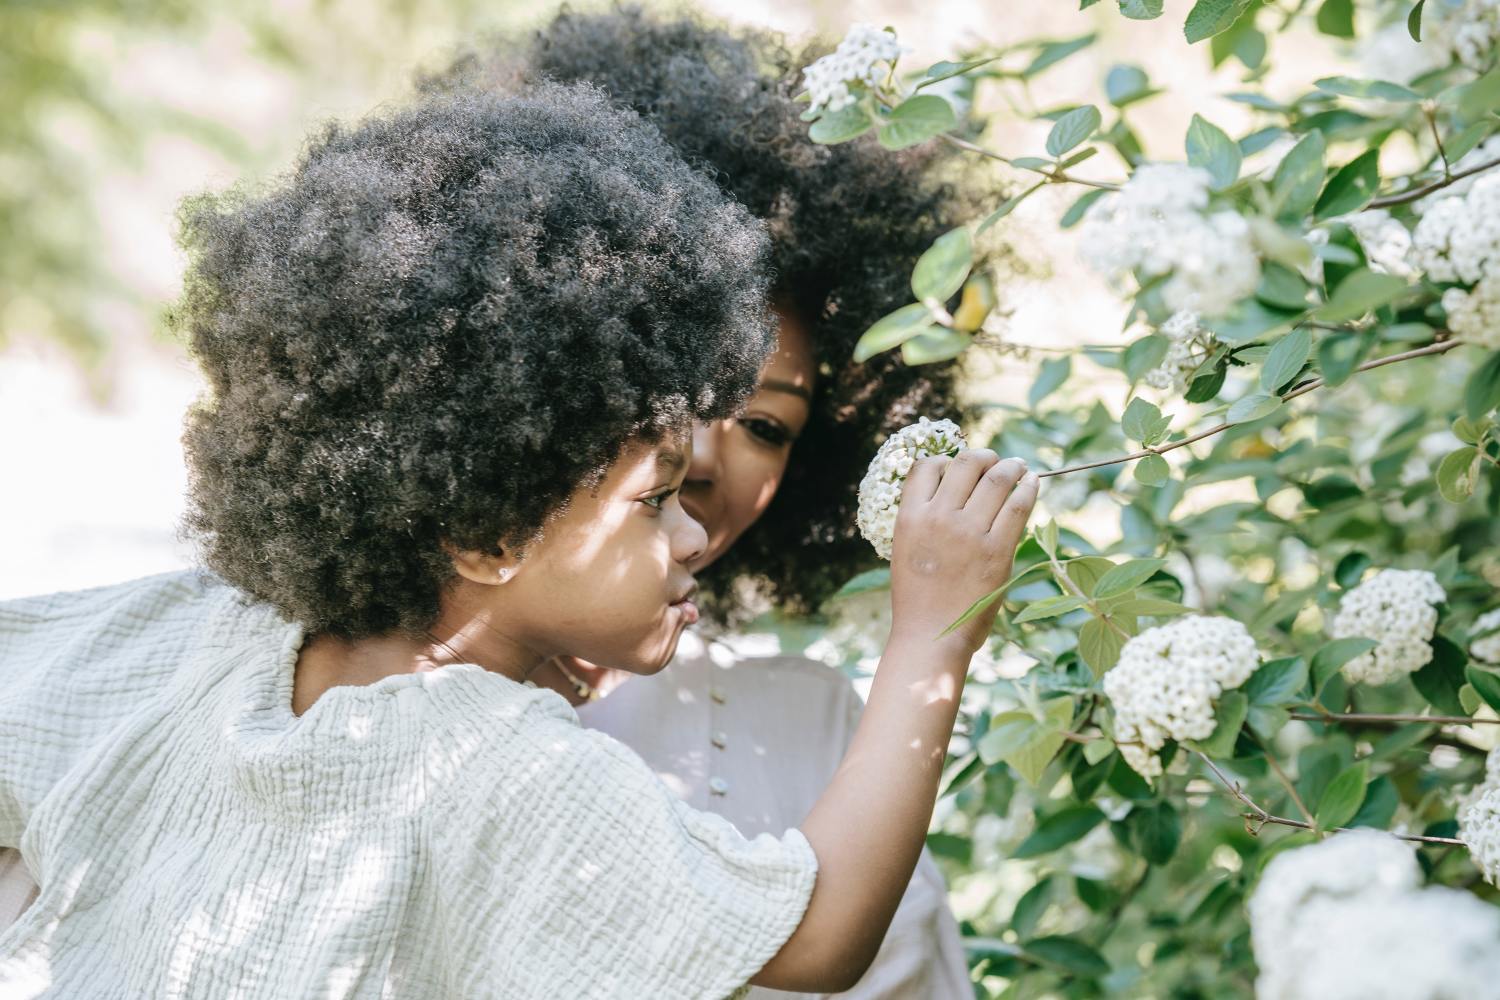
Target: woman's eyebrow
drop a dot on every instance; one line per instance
(788, 387)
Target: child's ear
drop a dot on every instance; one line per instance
(491, 568)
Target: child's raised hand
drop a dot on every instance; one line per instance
(956, 534)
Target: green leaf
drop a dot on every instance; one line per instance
(1209, 17)
(1414, 21)
(1277, 681)
(1333, 655)
(1341, 799)
(1152, 470)
(1383, 90)
(1079, 208)
(941, 270)
(1339, 354)
(1336, 18)
(1286, 359)
(1268, 720)
(1352, 187)
(1440, 680)
(1125, 84)
(1099, 645)
(1143, 355)
(1208, 147)
(1299, 176)
(1466, 140)
(1283, 287)
(1063, 827)
(1156, 831)
(1053, 373)
(1073, 128)
(1482, 390)
(940, 71)
(1456, 474)
(1249, 320)
(1055, 52)
(1229, 716)
(1143, 422)
(1477, 99)
(1126, 576)
(1486, 685)
(1379, 806)
(1008, 206)
(873, 579)
(840, 126)
(1049, 607)
(935, 344)
(1331, 490)
(1030, 908)
(1359, 293)
(1351, 569)
(1141, 10)
(1253, 407)
(916, 120)
(892, 330)
(1150, 606)
(1068, 954)
(1023, 742)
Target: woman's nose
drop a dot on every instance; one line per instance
(707, 447)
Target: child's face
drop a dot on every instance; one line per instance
(609, 581)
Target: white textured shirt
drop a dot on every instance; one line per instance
(431, 835)
(756, 739)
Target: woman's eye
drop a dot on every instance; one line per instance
(768, 432)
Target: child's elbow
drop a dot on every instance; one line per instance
(836, 971)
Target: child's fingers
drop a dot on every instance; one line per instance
(961, 475)
(1010, 523)
(993, 488)
(923, 479)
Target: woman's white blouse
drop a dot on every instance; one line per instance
(756, 739)
(431, 835)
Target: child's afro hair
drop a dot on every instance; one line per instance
(847, 223)
(440, 324)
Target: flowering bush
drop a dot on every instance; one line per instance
(1196, 714)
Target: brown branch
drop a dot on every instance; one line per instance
(1293, 393)
(1055, 175)
(1436, 720)
(1262, 817)
(1437, 185)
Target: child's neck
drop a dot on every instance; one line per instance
(327, 661)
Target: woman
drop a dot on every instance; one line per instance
(755, 738)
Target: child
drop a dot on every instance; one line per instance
(453, 361)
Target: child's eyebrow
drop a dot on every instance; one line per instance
(670, 461)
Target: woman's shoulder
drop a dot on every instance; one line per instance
(755, 665)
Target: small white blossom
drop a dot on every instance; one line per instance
(1189, 343)
(1486, 647)
(1159, 223)
(880, 490)
(1386, 242)
(1458, 240)
(1167, 679)
(1396, 609)
(1479, 817)
(1482, 153)
(863, 57)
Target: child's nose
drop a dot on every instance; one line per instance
(689, 540)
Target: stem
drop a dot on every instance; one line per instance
(1054, 175)
(1262, 817)
(1435, 720)
(1432, 124)
(1285, 781)
(1293, 393)
(1067, 581)
(1437, 185)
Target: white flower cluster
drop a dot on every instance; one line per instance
(858, 59)
(1385, 241)
(1166, 680)
(1391, 54)
(1479, 820)
(1189, 343)
(880, 490)
(1468, 29)
(1159, 223)
(1348, 919)
(1395, 607)
(1458, 240)
(1486, 648)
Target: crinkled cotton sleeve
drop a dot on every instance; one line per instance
(570, 864)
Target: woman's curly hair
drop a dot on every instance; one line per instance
(847, 223)
(441, 323)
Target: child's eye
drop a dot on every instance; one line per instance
(765, 430)
(658, 501)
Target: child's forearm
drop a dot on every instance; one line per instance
(868, 827)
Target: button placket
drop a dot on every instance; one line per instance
(717, 696)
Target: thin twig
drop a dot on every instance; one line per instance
(1286, 782)
(1436, 720)
(1438, 139)
(1437, 185)
(1055, 175)
(1067, 581)
(1262, 817)
(1293, 393)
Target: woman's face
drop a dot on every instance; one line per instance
(738, 463)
